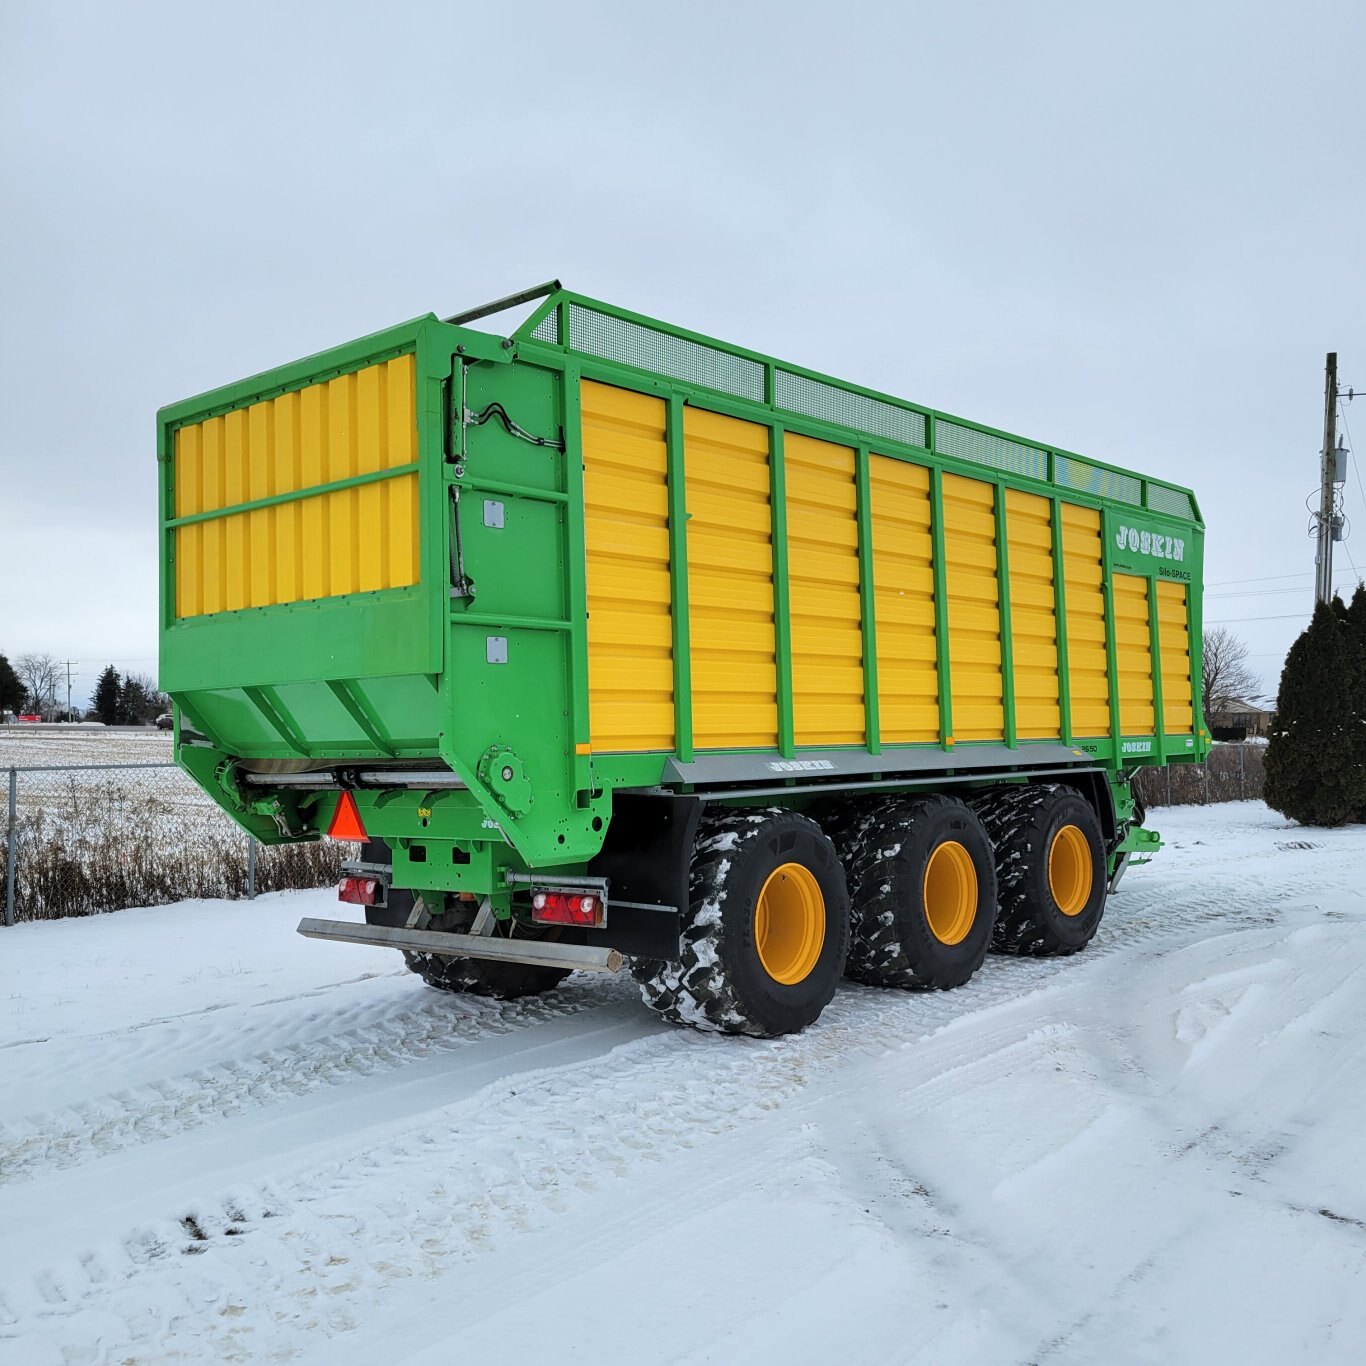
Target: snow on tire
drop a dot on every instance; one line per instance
(485, 976)
(922, 887)
(765, 932)
(399, 902)
(1050, 864)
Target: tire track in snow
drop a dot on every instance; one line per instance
(114, 1121)
(526, 1150)
(466, 1177)
(160, 1109)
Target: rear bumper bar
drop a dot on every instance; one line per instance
(540, 953)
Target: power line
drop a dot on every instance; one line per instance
(1349, 581)
(1267, 578)
(1285, 616)
(1351, 446)
(1304, 574)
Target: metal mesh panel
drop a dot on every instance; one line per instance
(1175, 501)
(104, 819)
(1077, 474)
(633, 344)
(812, 398)
(548, 329)
(969, 444)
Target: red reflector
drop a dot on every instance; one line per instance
(567, 908)
(346, 822)
(359, 891)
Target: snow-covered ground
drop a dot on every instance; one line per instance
(222, 1142)
(39, 745)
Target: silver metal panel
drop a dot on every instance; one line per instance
(877, 417)
(631, 343)
(538, 952)
(839, 763)
(967, 443)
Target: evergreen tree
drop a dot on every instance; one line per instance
(1356, 635)
(12, 691)
(108, 697)
(1312, 773)
(133, 702)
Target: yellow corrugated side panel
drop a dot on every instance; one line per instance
(1087, 669)
(974, 608)
(1178, 691)
(1134, 655)
(903, 600)
(824, 606)
(1033, 615)
(630, 626)
(730, 582)
(348, 541)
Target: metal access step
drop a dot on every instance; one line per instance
(539, 952)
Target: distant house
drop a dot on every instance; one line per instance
(1239, 719)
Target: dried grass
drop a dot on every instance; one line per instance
(116, 844)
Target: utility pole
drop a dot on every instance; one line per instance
(69, 663)
(1323, 557)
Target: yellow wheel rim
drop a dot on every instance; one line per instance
(950, 892)
(789, 923)
(1069, 870)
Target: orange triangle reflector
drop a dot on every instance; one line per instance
(346, 822)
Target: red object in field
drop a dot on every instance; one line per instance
(29, 716)
(359, 891)
(346, 821)
(567, 908)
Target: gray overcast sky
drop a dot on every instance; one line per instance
(1132, 231)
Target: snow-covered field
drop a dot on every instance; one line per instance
(38, 745)
(222, 1142)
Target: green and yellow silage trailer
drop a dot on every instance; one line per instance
(617, 644)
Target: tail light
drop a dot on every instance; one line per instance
(360, 891)
(568, 908)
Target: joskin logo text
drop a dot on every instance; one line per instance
(1150, 543)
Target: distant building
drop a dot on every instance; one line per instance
(1249, 719)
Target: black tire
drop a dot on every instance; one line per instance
(483, 977)
(1026, 825)
(720, 981)
(896, 939)
(464, 976)
(400, 902)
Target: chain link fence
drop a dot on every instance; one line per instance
(1232, 773)
(85, 838)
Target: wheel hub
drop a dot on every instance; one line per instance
(950, 892)
(789, 923)
(1069, 870)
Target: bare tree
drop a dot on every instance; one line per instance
(40, 675)
(1228, 678)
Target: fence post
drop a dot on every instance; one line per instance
(1242, 773)
(10, 842)
(251, 867)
